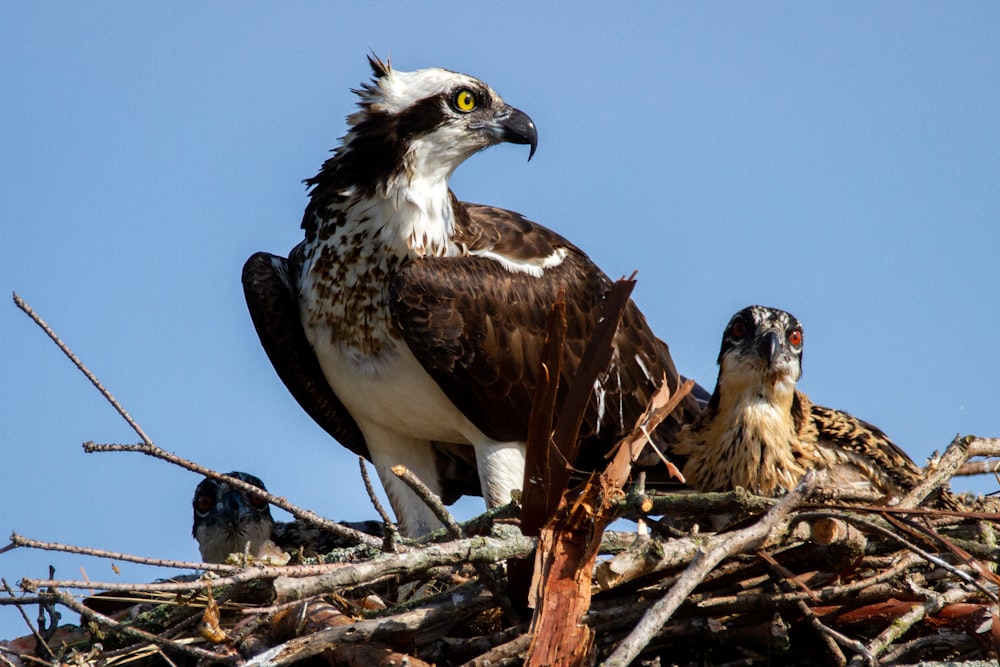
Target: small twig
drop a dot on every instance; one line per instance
(34, 632)
(150, 449)
(429, 498)
(901, 625)
(710, 603)
(983, 467)
(21, 541)
(715, 549)
(484, 570)
(27, 600)
(953, 642)
(363, 465)
(29, 311)
(923, 553)
(789, 581)
(834, 639)
(371, 630)
(503, 655)
(141, 635)
(785, 577)
(961, 449)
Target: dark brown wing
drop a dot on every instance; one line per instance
(274, 308)
(872, 451)
(273, 303)
(478, 329)
(866, 441)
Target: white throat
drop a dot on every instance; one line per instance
(415, 216)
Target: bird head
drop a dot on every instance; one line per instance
(426, 122)
(226, 519)
(761, 346)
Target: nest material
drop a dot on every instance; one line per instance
(825, 584)
(808, 579)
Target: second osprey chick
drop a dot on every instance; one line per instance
(760, 433)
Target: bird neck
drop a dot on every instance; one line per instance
(755, 418)
(408, 213)
(414, 214)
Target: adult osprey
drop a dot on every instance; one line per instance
(409, 324)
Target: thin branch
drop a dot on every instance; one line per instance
(141, 635)
(503, 655)
(385, 627)
(29, 311)
(372, 496)
(262, 573)
(409, 563)
(961, 449)
(150, 449)
(716, 548)
(710, 603)
(983, 467)
(34, 631)
(429, 498)
(953, 642)
(483, 568)
(901, 625)
(21, 541)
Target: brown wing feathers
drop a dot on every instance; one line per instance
(478, 329)
(273, 304)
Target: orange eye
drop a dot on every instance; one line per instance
(257, 501)
(204, 503)
(739, 330)
(795, 337)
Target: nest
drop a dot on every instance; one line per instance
(811, 578)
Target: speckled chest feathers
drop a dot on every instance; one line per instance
(753, 440)
(346, 273)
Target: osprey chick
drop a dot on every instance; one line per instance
(759, 432)
(410, 324)
(228, 520)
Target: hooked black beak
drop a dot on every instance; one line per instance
(515, 127)
(769, 346)
(235, 507)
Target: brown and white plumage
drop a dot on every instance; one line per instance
(231, 521)
(409, 324)
(760, 433)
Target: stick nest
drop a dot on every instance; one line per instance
(808, 579)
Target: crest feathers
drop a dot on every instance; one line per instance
(379, 69)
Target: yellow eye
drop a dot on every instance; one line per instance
(465, 100)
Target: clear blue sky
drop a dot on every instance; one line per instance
(837, 160)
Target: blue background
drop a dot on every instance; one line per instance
(837, 160)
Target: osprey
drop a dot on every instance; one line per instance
(410, 324)
(228, 521)
(760, 433)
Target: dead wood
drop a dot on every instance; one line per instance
(798, 581)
